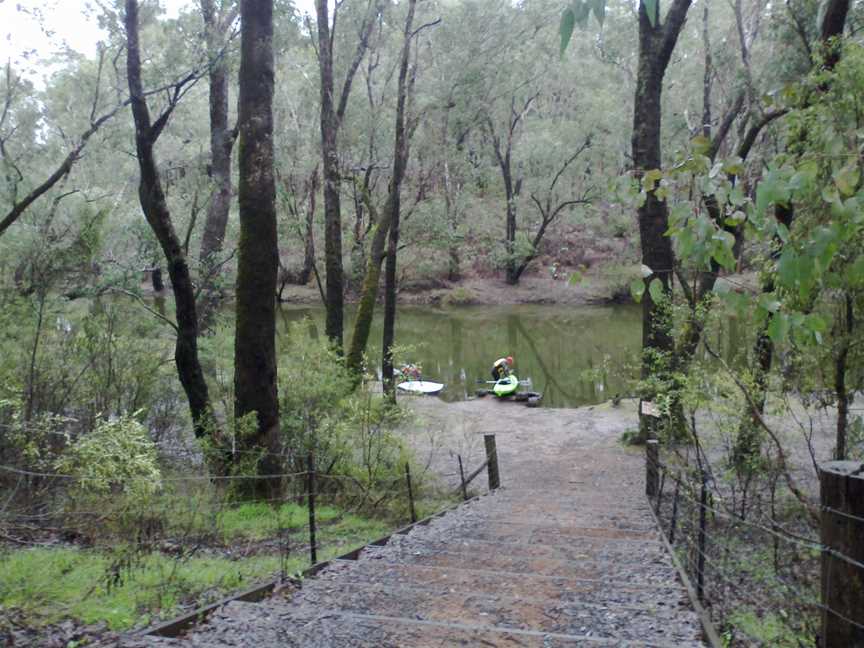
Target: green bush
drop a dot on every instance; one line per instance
(347, 428)
(117, 457)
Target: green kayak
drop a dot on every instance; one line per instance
(506, 386)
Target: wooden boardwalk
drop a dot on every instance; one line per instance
(566, 553)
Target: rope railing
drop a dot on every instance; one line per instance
(804, 594)
(305, 516)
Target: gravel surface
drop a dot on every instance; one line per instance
(566, 553)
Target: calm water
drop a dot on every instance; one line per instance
(573, 355)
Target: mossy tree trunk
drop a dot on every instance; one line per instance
(405, 87)
(258, 254)
(656, 42)
(369, 290)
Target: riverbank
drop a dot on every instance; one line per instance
(573, 290)
(604, 285)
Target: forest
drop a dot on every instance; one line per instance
(213, 223)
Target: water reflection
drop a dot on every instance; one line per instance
(574, 355)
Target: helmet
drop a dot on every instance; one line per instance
(510, 360)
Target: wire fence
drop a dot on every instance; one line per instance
(53, 525)
(767, 575)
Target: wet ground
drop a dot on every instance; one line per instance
(565, 553)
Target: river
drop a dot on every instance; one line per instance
(574, 355)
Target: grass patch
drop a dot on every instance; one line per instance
(769, 629)
(51, 584)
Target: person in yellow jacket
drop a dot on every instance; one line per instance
(502, 368)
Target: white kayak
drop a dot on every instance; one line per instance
(420, 386)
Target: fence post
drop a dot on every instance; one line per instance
(673, 523)
(492, 458)
(410, 492)
(284, 551)
(700, 559)
(310, 498)
(660, 492)
(462, 479)
(842, 536)
(652, 461)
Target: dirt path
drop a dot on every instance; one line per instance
(564, 554)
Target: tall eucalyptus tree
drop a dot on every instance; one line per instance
(258, 253)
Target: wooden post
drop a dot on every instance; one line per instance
(410, 492)
(673, 523)
(310, 498)
(660, 492)
(492, 458)
(842, 495)
(284, 550)
(700, 559)
(462, 479)
(652, 464)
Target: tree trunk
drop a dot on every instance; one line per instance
(843, 397)
(156, 279)
(155, 208)
(221, 138)
(258, 258)
(656, 43)
(511, 276)
(707, 75)
(369, 291)
(332, 182)
(309, 251)
(454, 272)
(504, 164)
(400, 162)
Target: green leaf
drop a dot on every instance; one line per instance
(737, 197)
(655, 289)
(778, 328)
(815, 323)
(735, 218)
(722, 253)
(787, 268)
(700, 144)
(575, 278)
(651, 11)
(649, 180)
(637, 289)
(847, 179)
(771, 190)
(568, 22)
(830, 194)
(769, 302)
(855, 272)
(715, 170)
(734, 166)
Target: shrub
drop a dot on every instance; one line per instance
(117, 457)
